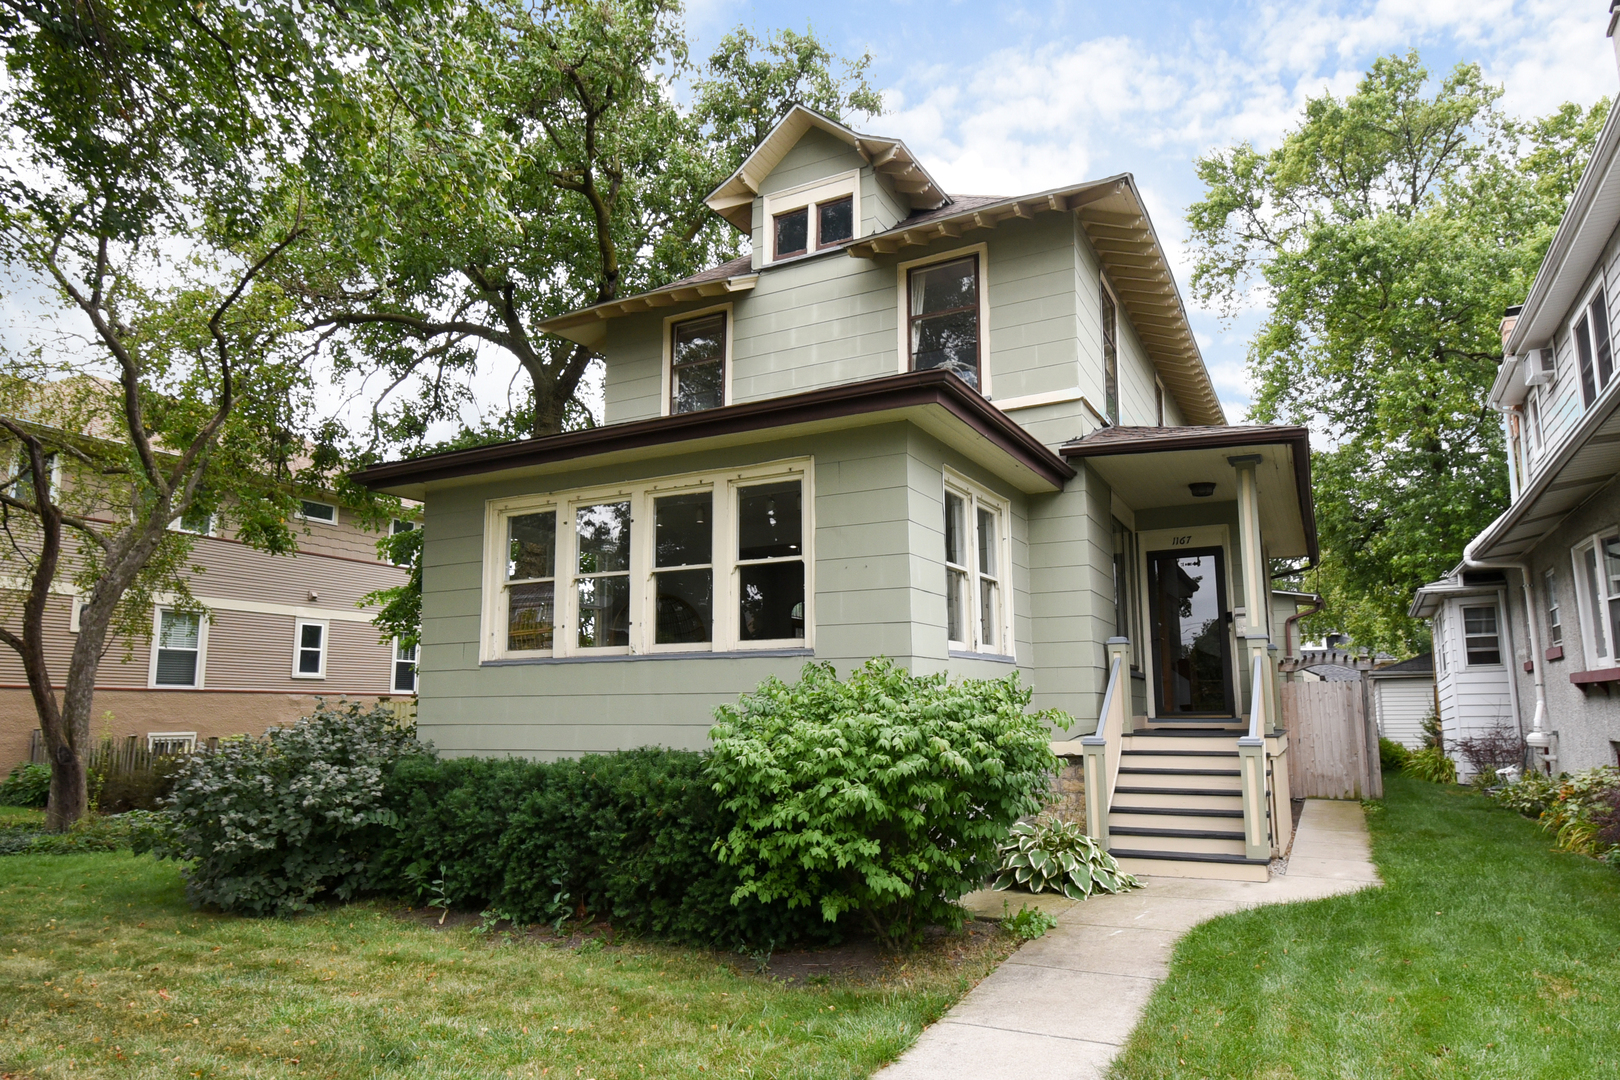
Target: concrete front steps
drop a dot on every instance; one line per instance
(1177, 809)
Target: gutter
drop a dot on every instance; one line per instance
(1288, 625)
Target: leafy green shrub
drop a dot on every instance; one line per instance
(1058, 856)
(1029, 924)
(139, 789)
(267, 825)
(1431, 764)
(93, 832)
(1530, 795)
(883, 796)
(1571, 815)
(1392, 755)
(27, 785)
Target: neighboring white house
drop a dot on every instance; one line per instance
(1402, 697)
(1473, 645)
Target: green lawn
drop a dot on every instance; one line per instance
(1486, 955)
(105, 971)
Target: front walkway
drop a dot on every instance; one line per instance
(1061, 1007)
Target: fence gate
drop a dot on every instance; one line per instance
(1329, 752)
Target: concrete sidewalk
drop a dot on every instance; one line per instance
(1061, 1007)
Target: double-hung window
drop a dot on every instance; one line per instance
(976, 609)
(309, 649)
(1481, 645)
(177, 652)
(404, 673)
(1594, 350)
(1110, 354)
(1555, 625)
(943, 317)
(811, 218)
(1597, 576)
(697, 362)
(689, 563)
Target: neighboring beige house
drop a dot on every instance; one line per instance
(972, 434)
(279, 633)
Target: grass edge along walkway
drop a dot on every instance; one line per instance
(105, 971)
(1485, 954)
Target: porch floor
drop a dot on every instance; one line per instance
(1062, 1006)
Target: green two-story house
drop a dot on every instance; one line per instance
(972, 434)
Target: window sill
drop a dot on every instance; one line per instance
(739, 654)
(994, 658)
(1602, 679)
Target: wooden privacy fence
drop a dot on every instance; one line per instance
(1330, 755)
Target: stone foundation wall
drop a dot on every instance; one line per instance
(1067, 797)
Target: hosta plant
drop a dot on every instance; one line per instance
(1058, 856)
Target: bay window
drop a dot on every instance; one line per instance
(698, 563)
(976, 610)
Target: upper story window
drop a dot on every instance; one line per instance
(1158, 402)
(1481, 645)
(975, 570)
(943, 316)
(309, 649)
(1593, 349)
(698, 349)
(22, 487)
(811, 217)
(311, 510)
(1110, 351)
(692, 563)
(196, 520)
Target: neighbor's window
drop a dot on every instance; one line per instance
(1555, 627)
(683, 574)
(1480, 642)
(792, 232)
(530, 588)
(1593, 347)
(602, 576)
(723, 564)
(975, 573)
(944, 316)
(404, 681)
(22, 486)
(309, 650)
(310, 510)
(196, 520)
(770, 562)
(179, 643)
(400, 525)
(170, 743)
(697, 364)
(1110, 350)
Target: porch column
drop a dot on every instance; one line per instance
(1255, 571)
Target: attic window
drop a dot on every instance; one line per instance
(792, 232)
(835, 221)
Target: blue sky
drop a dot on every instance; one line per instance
(1011, 98)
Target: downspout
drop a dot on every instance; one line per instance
(1288, 627)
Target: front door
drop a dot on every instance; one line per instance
(1192, 657)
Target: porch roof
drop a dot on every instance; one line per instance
(1150, 467)
(936, 401)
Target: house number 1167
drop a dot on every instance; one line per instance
(1180, 541)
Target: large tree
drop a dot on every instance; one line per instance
(524, 159)
(1386, 233)
(135, 136)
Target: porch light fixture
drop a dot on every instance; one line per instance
(1203, 489)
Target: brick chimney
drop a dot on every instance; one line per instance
(1510, 317)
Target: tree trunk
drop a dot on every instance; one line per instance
(70, 789)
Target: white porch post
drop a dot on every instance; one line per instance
(1257, 828)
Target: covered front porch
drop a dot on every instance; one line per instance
(1186, 771)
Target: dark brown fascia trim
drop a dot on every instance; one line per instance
(1279, 434)
(909, 390)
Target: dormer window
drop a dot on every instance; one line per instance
(812, 217)
(697, 363)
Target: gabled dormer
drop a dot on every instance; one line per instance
(813, 183)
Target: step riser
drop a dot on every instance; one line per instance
(1161, 743)
(1159, 800)
(1206, 871)
(1139, 760)
(1174, 843)
(1162, 780)
(1121, 815)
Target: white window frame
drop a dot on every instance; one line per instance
(198, 682)
(1553, 610)
(177, 525)
(668, 381)
(298, 646)
(726, 636)
(903, 306)
(189, 738)
(53, 465)
(1580, 311)
(1437, 631)
(395, 523)
(76, 606)
(1118, 418)
(318, 521)
(809, 196)
(1592, 621)
(415, 660)
(975, 496)
(1463, 607)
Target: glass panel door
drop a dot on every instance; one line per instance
(1192, 656)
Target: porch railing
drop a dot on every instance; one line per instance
(1252, 763)
(1101, 750)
